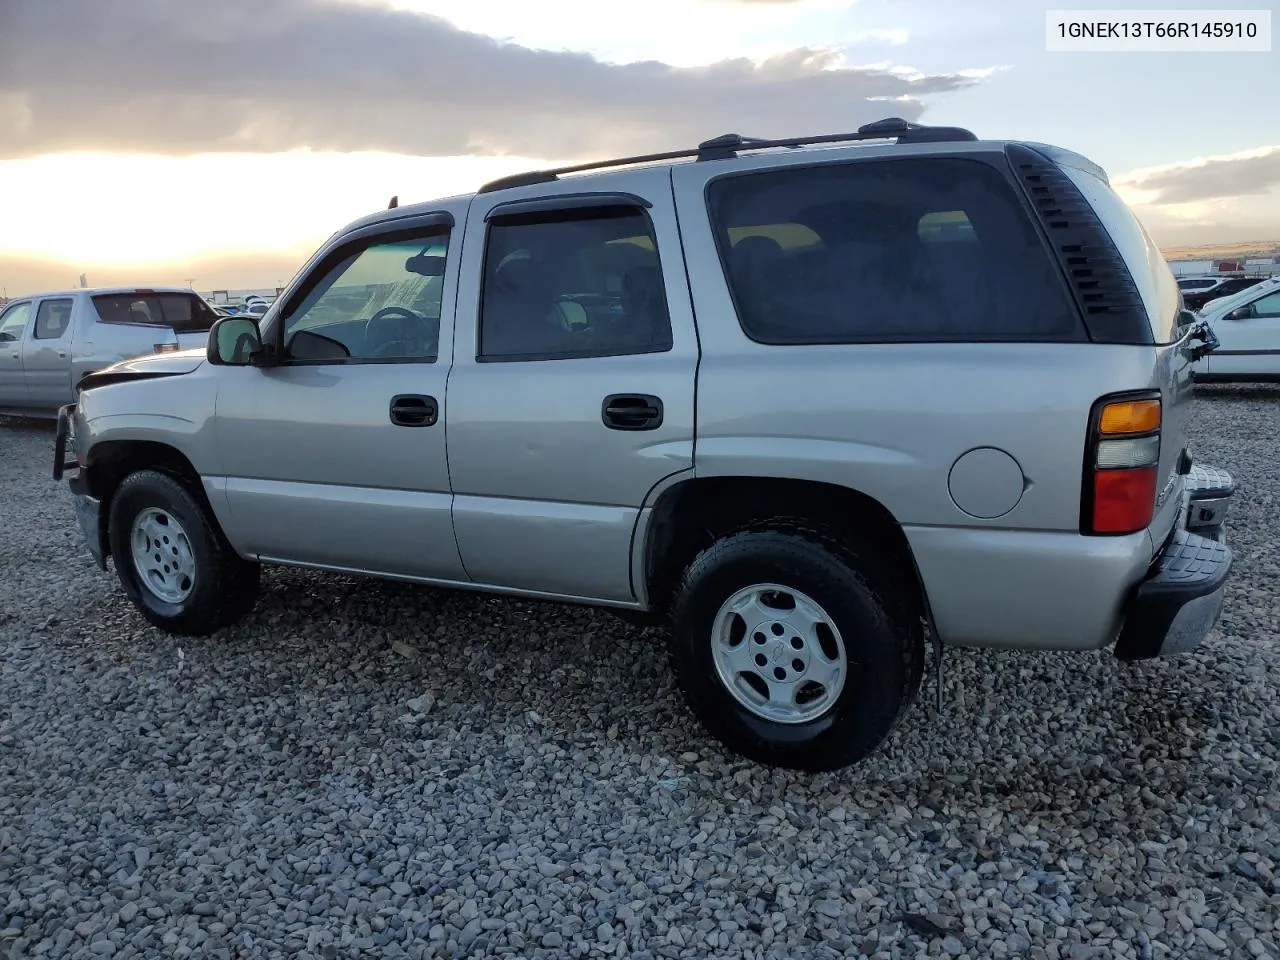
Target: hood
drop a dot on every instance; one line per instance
(146, 367)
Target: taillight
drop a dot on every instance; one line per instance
(1121, 465)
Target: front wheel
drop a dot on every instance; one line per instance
(792, 651)
(174, 563)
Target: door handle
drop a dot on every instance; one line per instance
(414, 410)
(631, 411)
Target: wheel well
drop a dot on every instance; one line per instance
(113, 460)
(693, 514)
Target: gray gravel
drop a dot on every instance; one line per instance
(369, 769)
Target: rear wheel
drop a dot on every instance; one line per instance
(794, 651)
(173, 561)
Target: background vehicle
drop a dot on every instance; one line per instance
(903, 432)
(50, 340)
(1247, 326)
(1198, 291)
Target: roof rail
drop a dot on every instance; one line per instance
(728, 145)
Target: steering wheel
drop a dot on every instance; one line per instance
(400, 344)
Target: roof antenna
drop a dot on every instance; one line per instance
(395, 202)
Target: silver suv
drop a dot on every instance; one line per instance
(815, 403)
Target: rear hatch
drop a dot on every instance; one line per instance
(181, 319)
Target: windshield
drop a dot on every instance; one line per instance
(1243, 296)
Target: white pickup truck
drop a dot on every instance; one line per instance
(49, 341)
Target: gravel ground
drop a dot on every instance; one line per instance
(368, 769)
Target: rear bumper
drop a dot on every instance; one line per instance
(1209, 492)
(1175, 606)
(1055, 590)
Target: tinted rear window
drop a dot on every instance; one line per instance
(181, 312)
(927, 249)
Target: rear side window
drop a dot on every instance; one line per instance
(52, 319)
(928, 249)
(573, 284)
(181, 312)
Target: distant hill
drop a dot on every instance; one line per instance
(1256, 249)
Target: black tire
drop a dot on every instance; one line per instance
(872, 608)
(225, 586)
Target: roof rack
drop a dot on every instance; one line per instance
(728, 145)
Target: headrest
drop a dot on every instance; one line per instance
(520, 277)
(754, 255)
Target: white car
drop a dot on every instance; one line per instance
(1247, 325)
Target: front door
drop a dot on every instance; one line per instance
(13, 333)
(336, 458)
(1249, 345)
(571, 395)
(46, 355)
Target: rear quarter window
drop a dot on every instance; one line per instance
(919, 249)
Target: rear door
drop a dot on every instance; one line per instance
(14, 324)
(46, 355)
(571, 395)
(1250, 345)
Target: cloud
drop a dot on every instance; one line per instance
(1247, 173)
(185, 76)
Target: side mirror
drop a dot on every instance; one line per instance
(1241, 313)
(234, 341)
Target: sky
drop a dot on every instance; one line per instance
(221, 143)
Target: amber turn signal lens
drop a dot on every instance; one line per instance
(1130, 416)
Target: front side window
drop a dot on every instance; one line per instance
(13, 321)
(379, 302)
(1268, 306)
(928, 249)
(575, 283)
(1196, 284)
(52, 319)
